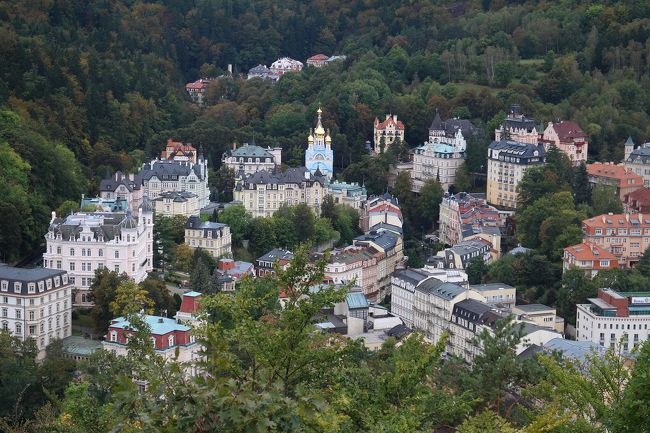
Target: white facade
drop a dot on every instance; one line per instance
(35, 303)
(85, 242)
(440, 159)
(250, 158)
(173, 203)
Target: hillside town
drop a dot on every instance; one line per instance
(326, 217)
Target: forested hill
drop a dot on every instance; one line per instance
(87, 87)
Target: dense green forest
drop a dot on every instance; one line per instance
(88, 88)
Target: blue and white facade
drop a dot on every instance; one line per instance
(319, 155)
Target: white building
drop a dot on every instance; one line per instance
(350, 194)
(638, 160)
(250, 158)
(159, 176)
(615, 319)
(405, 281)
(440, 157)
(35, 303)
(285, 65)
(210, 236)
(85, 242)
(433, 304)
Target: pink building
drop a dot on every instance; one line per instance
(569, 137)
(124, 186)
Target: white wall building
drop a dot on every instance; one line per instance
(250, 158)
(35, 303)
(85, 242)
(615, 319)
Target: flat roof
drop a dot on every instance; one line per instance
(533, 308)
(601, 304)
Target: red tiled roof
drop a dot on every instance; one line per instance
(589, 251)
(641, 196)
(387, 122)
(624, 220)
(318, 57)
(617, 172)
(567, 130)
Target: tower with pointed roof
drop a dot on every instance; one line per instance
(629, 148)
(319, 155)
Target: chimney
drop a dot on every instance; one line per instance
(160, 320)
(234, 145)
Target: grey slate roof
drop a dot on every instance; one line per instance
(25, 276)
(412, 276)
(250, 150)
(519, 150)
(119, 178)
(195, 223)
(451, 126)
(276, 254)
(176, 196)
(169, 170)
(640, 155)
(292, 175)
(103, 225)
(385, 240)
(435, 287)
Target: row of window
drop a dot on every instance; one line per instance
(31, 287)
(18, 326)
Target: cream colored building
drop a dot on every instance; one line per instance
(172, 203)
(540, 315)
(389, 130)
(262, 193)
(250, 158)
(210, 236)
(507, 163)
(517, 127)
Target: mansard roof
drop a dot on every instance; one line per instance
(169, 168)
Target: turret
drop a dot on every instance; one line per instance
(629, 148)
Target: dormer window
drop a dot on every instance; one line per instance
(41, 286)
(4, 286)
(31, 288)
(17, 286)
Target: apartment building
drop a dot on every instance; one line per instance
(210, 236)
(626, 236)
(159, 176)
(569, 137)
(614, 319)
(621, 180)
(84, 242)
(250, 158)
(171, 203)
(263, 192)
(589, 257)
(507, 163)
(35, 303)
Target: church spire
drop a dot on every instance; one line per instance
(319, 125)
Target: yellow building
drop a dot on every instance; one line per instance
(172, 203)
(262, 193)
(507, 163)
(210, 236)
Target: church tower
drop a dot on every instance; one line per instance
(319, 155)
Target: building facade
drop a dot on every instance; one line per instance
(250, 158)
(466, 216)
(36, 303)
(589, 257)
(626, 236)
(319, 156)
(198, 89)
(459, 255)
(621, 180)
(124, 187)
(638, 201)
(179, 151)
(386, 132)
(380, 210)
(318, 60)
(439, 158)
(615, 319)
(160, 176)
(285, 65)
(210, 236)
(507, 163)
(262, 193)
(498, 295)
(266, 264)
(638, 160)
(171, 339)
(349, 194)
(517, 127)
(171, 203)
(84, 242)
(569, 137)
